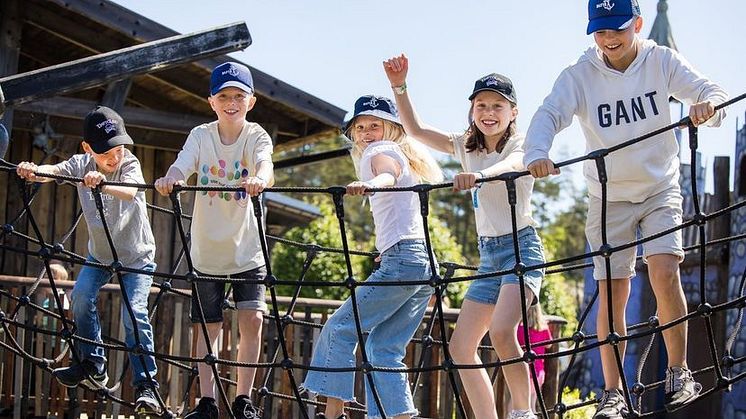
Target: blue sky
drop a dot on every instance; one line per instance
(334, 49)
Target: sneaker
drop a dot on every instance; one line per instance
(146, 400)
(78, 374)
(521, 414)
(243, 408)
(611, 406)
(205, 409)
(680, 388)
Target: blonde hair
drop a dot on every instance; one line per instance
(421, 162)
(535, 318)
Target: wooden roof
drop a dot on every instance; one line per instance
(161, 106)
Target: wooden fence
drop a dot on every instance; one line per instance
(26, 390)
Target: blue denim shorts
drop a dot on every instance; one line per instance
(497, 254)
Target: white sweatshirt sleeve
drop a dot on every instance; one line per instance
(554, 115)
(690, 86)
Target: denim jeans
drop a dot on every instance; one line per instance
(392, 315)
(497, 254)
(84, 297)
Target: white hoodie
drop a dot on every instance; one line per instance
(614, 107)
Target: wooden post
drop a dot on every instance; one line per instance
(11, 22)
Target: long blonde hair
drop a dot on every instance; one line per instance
(421, 162)
(535, 318)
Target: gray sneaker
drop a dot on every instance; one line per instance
(680, 388)
(611, 406)
(521, 414)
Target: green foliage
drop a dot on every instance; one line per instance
(571, 397)
(287, 260)
(447, 250)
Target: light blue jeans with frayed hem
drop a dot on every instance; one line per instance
(392, 315)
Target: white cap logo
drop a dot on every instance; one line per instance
(373, 103)
(491, 81)
(606, 4)
(109, 125)
(232, 71)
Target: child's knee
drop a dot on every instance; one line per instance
(462, 352)
(503, 335)
(251, 321)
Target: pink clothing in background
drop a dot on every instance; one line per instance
(536, 336)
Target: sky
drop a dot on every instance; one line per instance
(334, 50)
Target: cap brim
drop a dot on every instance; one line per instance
(613, 23)
(377, 114)
(101, 147)
(488, 89)
(232, 83)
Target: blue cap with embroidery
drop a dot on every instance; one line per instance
(378, 106)
(495, 83)
(613, 15)
(231, 74)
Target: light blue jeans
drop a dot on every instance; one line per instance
(392, 315)
(84, 297)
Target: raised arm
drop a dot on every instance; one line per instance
(396, 70)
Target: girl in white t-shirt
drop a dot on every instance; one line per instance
(384, 157)
(491, 146)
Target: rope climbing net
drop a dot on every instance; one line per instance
(281, 360)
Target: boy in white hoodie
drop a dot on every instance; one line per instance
(619, 89)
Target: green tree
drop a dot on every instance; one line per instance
(288, 260)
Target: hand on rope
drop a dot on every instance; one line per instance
(254, 185)
(93, 179)
(466, 180)
(165, 185)
(542, 168)
(701, 112)
(359, 188)
(27, 170)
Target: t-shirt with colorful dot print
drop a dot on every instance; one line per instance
(225, 238)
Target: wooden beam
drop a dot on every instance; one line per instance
(72, 129)
(309, 139)
(312, 158)
(116, 94)
(67, 107)
(114, 65)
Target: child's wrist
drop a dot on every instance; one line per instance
(401, 89)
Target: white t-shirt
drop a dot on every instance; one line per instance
(396, 215)
(614, 107)
(493, 210)
(225, 238)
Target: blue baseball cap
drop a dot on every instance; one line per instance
(231, 74)
(495, 83)
(378, 106)
(613, 15)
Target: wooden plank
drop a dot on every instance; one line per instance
(103, 68)
(116, 94)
